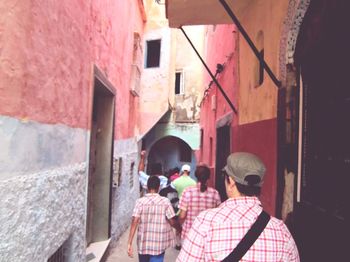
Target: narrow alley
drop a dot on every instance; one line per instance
(119, 115)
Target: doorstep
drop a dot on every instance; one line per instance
(96, 250)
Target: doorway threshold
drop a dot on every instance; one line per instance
(96, 250)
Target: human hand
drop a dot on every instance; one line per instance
(143, 153)
(130, 251)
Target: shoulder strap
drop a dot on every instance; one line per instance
(250, 237)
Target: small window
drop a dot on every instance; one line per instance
(153, 53)
(117, 171)
(61, 254)
(261, 68)
(202, 141)
(179, 83)
(258, 68)
(132, 174)
(211, 151)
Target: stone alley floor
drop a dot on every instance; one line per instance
(119, 253)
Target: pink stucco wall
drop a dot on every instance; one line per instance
(221, 48)
(47, 53)
(259, 137)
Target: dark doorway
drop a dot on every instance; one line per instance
(170, 152)
(223, 150)
(100, 160)
(323, 56)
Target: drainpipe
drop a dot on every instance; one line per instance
(250, 43)
(210, 73)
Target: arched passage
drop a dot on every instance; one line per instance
(170, 152)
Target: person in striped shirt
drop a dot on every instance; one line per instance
(196, 199)
(216, 232)
(153, 216)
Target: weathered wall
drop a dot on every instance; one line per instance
(260, 138)
(155, 82)
(257, 103)
(47, 53)
(221, 49)
(254, 129)
(39, 212)
(124, 195)
(45, 61)
(187, 104)
(29, 146)
(112, 43)
(189, 133)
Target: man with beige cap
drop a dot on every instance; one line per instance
(239, 228)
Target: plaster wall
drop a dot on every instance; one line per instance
(124, 196)
(48, 50)
(38, 215)
(47, 54)
(254, 129)
(28, 147)
(190, 133)
(155, 82)
(187, 104)
(221, 48)
(259, 137)
(260, 102)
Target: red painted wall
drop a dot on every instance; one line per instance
(257, 137)
(47, 52)
(260, 138)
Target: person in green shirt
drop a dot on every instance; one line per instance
(180, 184)
(184, 180)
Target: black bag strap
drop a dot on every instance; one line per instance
(250, 237)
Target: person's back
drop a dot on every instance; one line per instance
(181, 183)
(225, 226)
(197, 199)
(153, 211)
(215, 233)
(153, 217)
(193, 201)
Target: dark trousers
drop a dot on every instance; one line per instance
(151, 258)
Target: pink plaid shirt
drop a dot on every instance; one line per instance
(154, 233)
(216, 232)
(194, 201)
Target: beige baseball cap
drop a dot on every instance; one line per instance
(241, 164)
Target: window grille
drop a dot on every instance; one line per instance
(59, 255)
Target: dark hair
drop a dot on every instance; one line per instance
(251, 189)
(153, 182)
(248, 190)
(202, 174)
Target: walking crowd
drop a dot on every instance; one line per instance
(177, 211)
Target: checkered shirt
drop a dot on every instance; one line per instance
(143, 178)
(216, 232)
(193, 201)
(154, 233)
